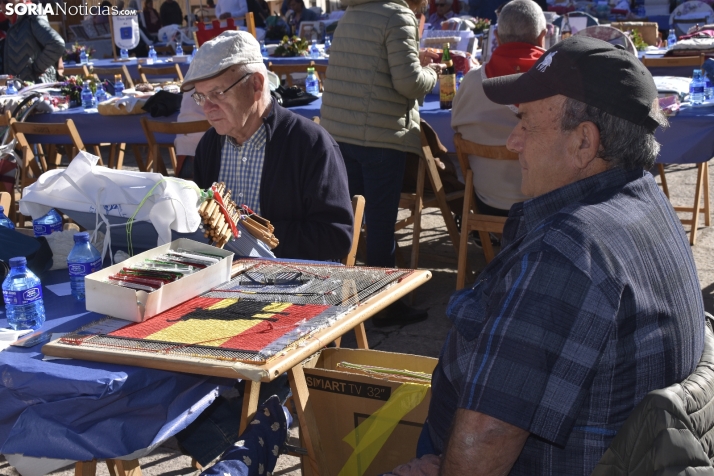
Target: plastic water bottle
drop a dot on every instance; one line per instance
(459, 78)
(48, 224)
(672, 38)
(22, 292)
(152, 56)
(179, 49)
(124, 54)
(84, 259)
(4, 220)
(11, 89)
(101, 94)
(328, 44)
(263, 49)
(118, 85)
(696, 88)
(314, 50)
(88, 100)
(312, 86)
(193, 54)
(83, 57)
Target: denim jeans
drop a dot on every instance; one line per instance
(377, 174)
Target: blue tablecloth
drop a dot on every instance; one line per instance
(80, 410)
(132, 64)
(689, 139)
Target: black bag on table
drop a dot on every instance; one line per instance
(292, 96)
(36, 250)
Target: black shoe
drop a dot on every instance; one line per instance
(476, 238)
(399, 314)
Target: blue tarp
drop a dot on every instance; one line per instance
(80, 410)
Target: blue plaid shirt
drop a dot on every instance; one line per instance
(242, 168)
(593, 302)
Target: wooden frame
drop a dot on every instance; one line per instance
(163, 71)
(290, 362)
(471, 219)
(156, 127)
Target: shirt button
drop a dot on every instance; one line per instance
(240, 194)
(245, 159)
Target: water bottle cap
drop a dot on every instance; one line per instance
(81, 237)
(18, 261)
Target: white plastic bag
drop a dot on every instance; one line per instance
(167, 203)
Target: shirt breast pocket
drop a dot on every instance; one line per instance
(467, 310)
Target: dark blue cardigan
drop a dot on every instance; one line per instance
(303, 189)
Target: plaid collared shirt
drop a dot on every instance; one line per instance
(593, 302)
(242, 168)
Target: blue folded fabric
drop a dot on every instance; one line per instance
(258, 447)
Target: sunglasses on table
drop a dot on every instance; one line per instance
(215, 97)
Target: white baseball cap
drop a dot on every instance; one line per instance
(228, 49)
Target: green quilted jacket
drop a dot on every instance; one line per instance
(374, 80)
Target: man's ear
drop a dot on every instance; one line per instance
(587, 137)
(258, 81)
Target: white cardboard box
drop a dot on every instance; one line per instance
(137, 306)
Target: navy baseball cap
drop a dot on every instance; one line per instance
(586, 69)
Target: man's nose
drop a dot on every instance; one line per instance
(515, 141)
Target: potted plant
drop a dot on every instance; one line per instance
(289, 47)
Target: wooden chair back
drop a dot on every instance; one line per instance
(171, 71)
(110, 72)
(471, 219)
(648, 30)
(203, 34)
(80, 70)
(358, 212)
(288, 70)
(6, 202)
(151, 128)
(674, 61)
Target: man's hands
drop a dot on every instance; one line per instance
(426, 57)
(224, 15)
(480, 445)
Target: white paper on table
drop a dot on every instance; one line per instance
(8, 336)
(61, 289)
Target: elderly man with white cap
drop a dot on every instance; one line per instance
(281, 165)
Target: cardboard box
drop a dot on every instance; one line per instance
(344, 400)
(137, 306)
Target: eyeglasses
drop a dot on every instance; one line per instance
(287, 278)
(218, 96)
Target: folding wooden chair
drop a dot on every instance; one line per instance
(110, 72)
(288, 70)
(674, 61)
(702, 189)
(172, 71)
(417, 202)
(471, 219)
(80, 70)
(151, 128)
(33, 166)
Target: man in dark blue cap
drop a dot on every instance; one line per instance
(594, 300)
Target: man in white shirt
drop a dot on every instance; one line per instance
(231, 8)
(521, 37)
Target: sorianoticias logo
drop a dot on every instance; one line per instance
(20, 8)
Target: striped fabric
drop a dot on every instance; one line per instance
(242, 168)
(592, 302)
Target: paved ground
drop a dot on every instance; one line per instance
(426, 338)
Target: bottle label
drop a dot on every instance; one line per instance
(42, 230)
(26, 296)
(447, 87)
(83, 269)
